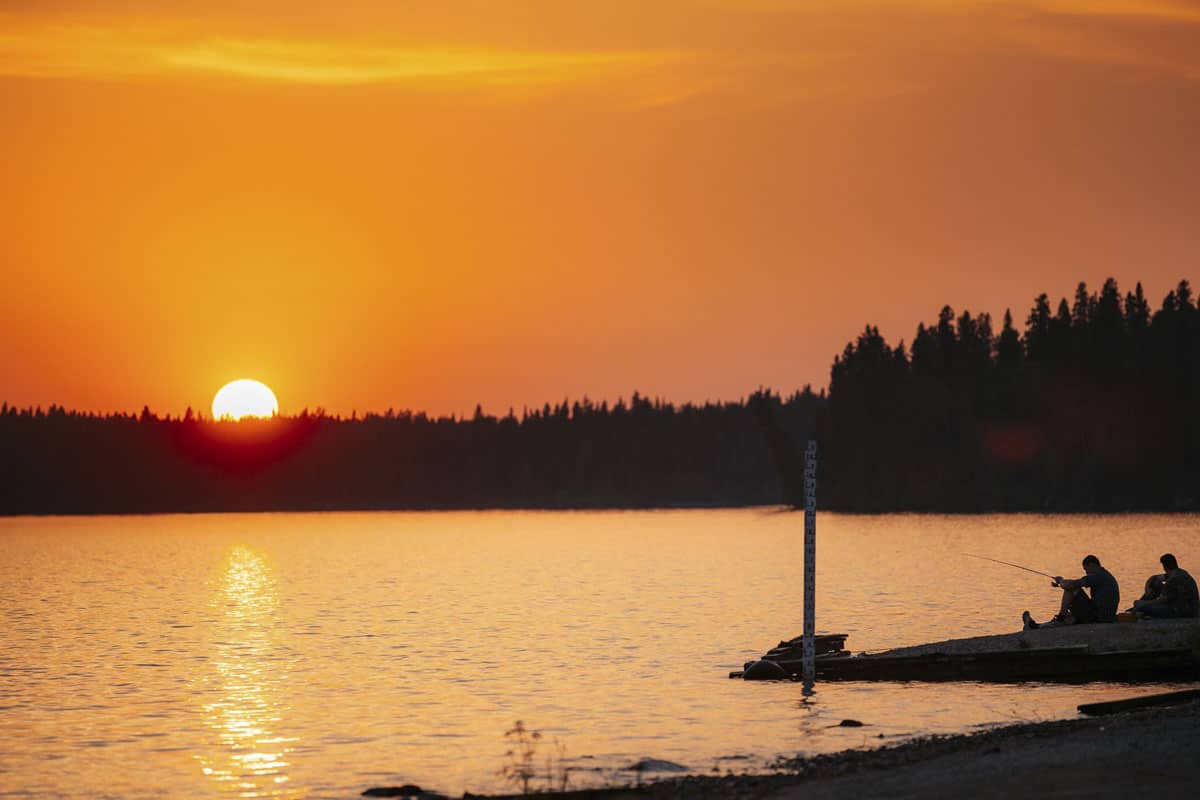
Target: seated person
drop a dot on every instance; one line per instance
(1152, 589)
(1177, 596)
(1154, 585)
(1077, 608)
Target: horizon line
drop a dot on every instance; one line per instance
(320, 412)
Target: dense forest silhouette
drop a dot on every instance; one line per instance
(634, 454)
(1090, 408)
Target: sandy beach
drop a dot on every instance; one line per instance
(1132, 754)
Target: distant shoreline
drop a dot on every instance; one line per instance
(767, 508)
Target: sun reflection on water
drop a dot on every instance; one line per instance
(248, 757)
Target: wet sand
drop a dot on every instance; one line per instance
(1132, 754)
(1121, 756)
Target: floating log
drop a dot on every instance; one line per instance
(1128, 704)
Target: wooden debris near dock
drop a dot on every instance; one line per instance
(789, 654)
(793, 649)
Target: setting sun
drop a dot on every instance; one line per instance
(244, 398)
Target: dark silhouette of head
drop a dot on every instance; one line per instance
(1168, 561)
(1090, 563)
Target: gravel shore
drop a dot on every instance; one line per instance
(1126, 755)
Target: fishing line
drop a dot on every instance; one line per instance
(1010, 564)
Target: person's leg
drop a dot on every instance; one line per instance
(1075, 607)
(1068, 597)
(1152, 609)
(1082, 610)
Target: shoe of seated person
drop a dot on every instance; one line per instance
(1027, 622)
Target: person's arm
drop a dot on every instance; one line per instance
(1170, 591)
(1068, 584)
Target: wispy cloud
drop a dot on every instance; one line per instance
(1170, 10)
(747, 52)
(132, 51)
(1181, 10)
(1158, 36)
(1155, 37)
(1066, 42)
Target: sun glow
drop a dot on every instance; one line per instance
(244, 398)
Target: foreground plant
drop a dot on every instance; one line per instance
(521, 756)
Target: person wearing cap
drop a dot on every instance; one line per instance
(1177, 597)
(1078, 607)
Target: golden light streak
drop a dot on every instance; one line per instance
(127, 51)
(247, 758)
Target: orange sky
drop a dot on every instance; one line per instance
(424, 205)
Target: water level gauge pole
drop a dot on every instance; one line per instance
(809, 666)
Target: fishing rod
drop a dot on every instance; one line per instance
(1010, 564)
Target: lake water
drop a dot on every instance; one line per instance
(317, 655)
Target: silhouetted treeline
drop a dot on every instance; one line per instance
(632, 455)
(1091, 407)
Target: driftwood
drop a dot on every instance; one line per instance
(1130, 703)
